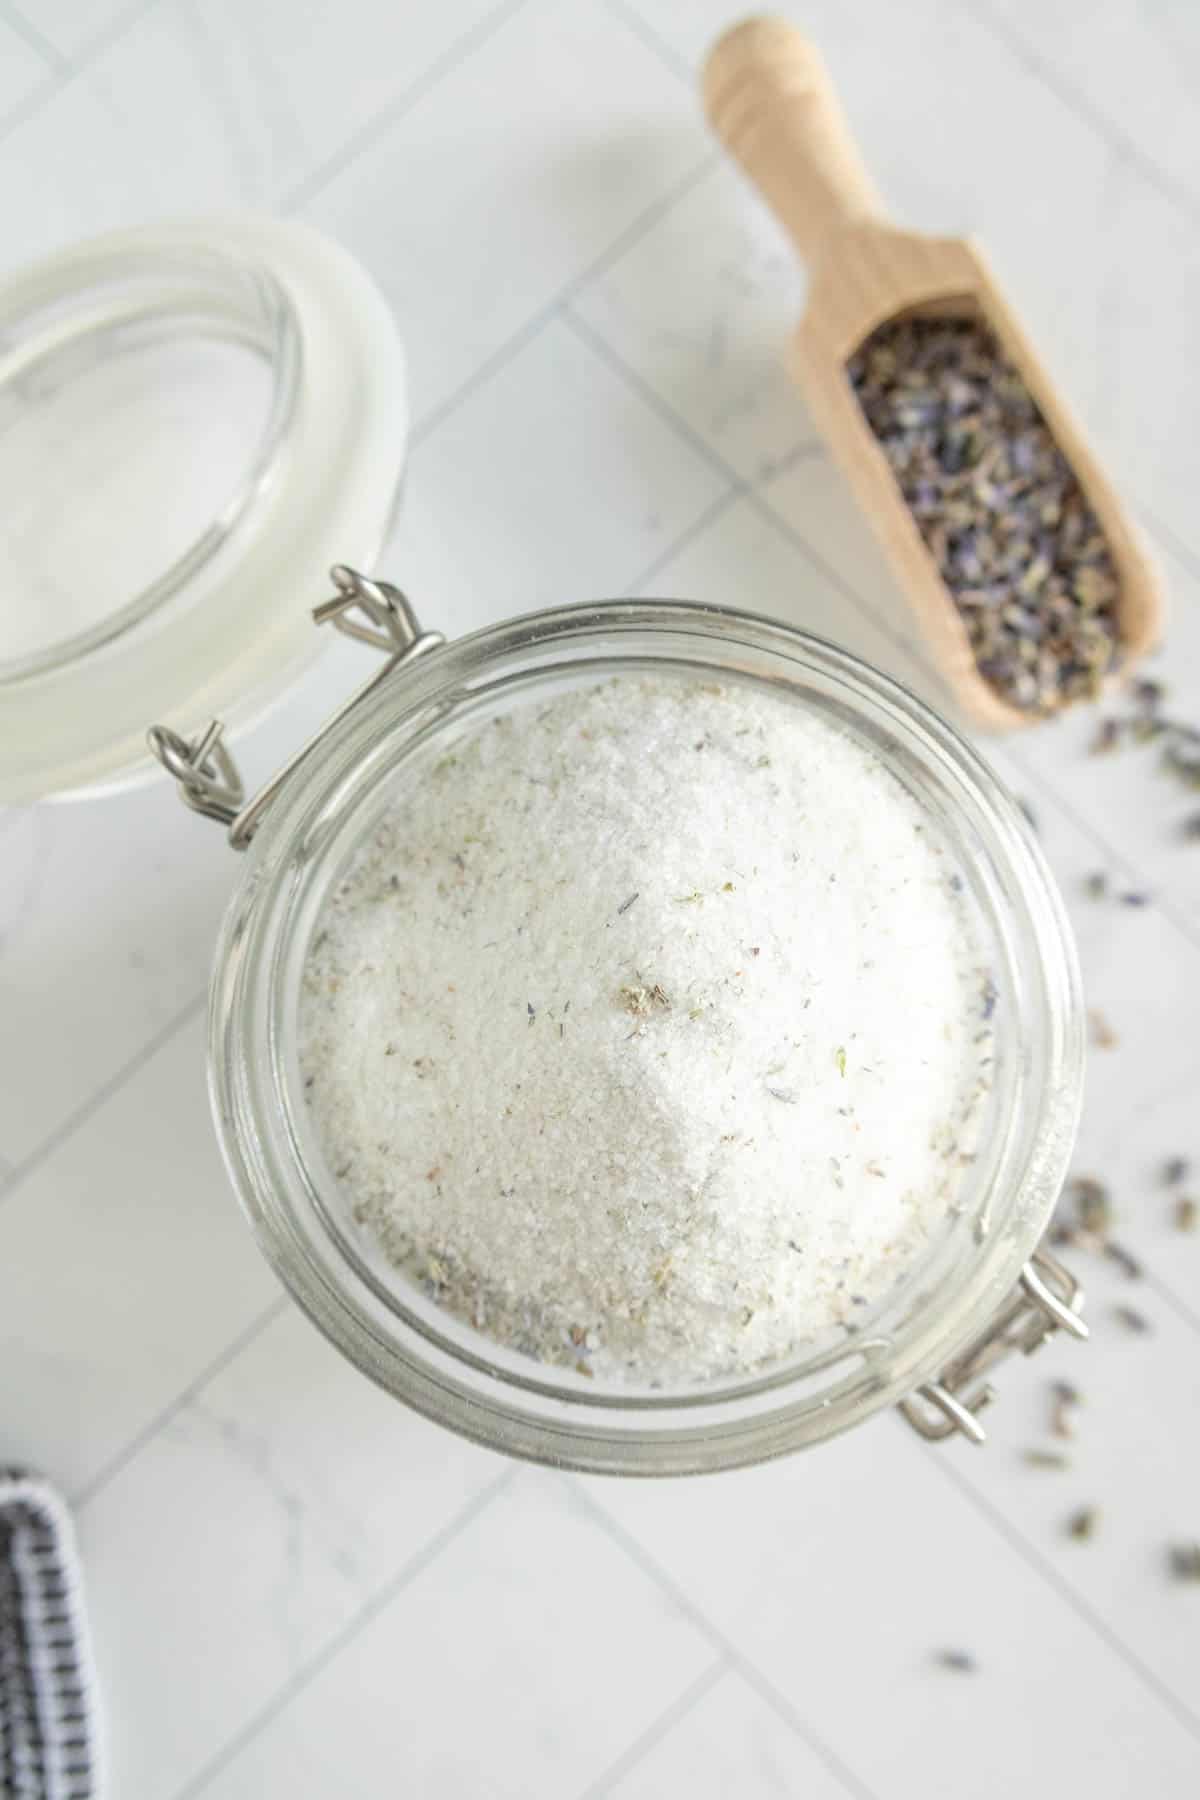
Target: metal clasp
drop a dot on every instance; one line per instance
(1046, 1299)
(371, 612)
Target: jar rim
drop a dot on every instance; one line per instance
(456, 1376)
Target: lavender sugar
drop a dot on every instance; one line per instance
(649, 1031)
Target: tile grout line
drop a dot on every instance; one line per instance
(1096, 120)
(132, 1448)
(68, 67)
(633, 21)
(735, 1658)
(625, 240)
(1170, 540)
(329, 1652)
(672, 1715)
(1034, 1559)
(369, 134)
(33, 39)
(715, 510)
(99, 1097)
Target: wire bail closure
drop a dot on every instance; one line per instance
(1046, 1299)
(371, 612)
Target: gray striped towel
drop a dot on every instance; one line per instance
(49, 1746)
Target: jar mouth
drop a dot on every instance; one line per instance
(166, 382)
(456, 1375)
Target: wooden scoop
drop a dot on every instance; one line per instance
(770, 99)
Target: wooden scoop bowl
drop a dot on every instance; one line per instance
(770, 99)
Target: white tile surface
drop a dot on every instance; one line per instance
(702, 306)
(22, 70)
(595, 133)
(259, 1523)
(269, 95)
(521, 466)
(732, 1743)
(559, 1649)
(843, 1575)
(1135, 68)
(73, 26)
(124, 1271)
(297, 1588)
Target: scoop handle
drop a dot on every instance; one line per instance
(770, 100)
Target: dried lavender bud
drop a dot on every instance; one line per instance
(998, 506)
(1190, 829)
(1082, 1524)
(1186, 1212)
(1176, 1170)
(1108, 736)
(1093, 1205)
(1124, 1259)
(1135, 898)
(1046, 1459)
(1101, 1032)
(1184, 1561)
(961, 1661)
(1132, 1319)
(1149, 695)
(1181, 755)
(1096, 885)
(1064, 1399)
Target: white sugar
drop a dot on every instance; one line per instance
(647, 1031)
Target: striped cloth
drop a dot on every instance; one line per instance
(48, 1714)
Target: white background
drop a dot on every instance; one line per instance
(298, 1589)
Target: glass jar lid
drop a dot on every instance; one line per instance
(193, 416)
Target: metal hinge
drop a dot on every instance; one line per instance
(1046, 1299)
(208, 777)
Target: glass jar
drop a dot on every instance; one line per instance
(982, 1289)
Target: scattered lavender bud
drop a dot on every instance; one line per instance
(1181, 756)
(1046, 1459)
(1108, 736)
(1176, 1170)
(1135, 898)
(1124, 1259)
(1096, 885)
(1191, 828)
(961, 1661)
(1101, 1032)
(1082, 1524)
(1186, 1212)
(1065, 1399)
(1132, 1319)
(1184, 1561)
(1093, 1205)
(1149, 695)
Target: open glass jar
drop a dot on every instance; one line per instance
(982, 1288)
